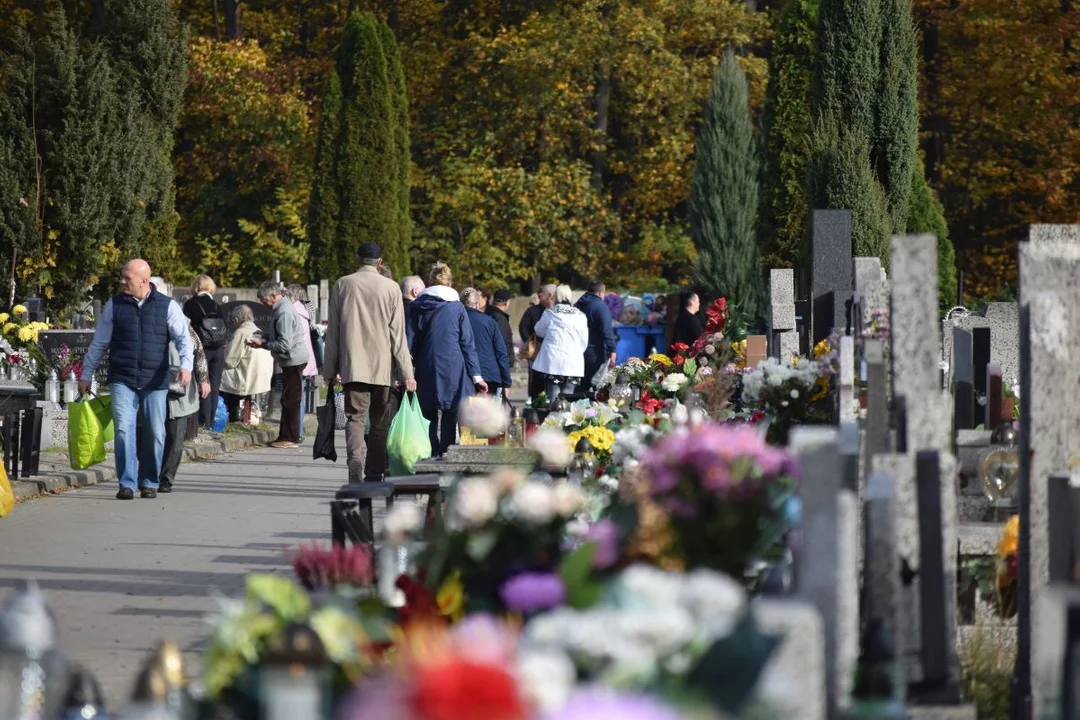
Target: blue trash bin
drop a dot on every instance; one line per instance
(629, 342)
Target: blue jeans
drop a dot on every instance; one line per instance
(144, 471)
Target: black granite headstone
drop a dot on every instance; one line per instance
(980, 352)
(832, 282)
(77, 341)
(963, 381)
(264, 316)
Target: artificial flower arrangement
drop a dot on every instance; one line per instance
(995, 578)
(19, 341)
(785, 395)
(589, 419)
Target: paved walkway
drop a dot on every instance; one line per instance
(121, 575)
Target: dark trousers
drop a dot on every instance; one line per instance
(215, 363)
(537, 383)
(591, 368)
(372, 401)
(443, 428)
(176, 430)
(292, 386)
(232, 405)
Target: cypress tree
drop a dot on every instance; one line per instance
(786, 125)
(724, 194)
(355, 196)
(399, 103)
(324, 207)
(847, 69)
(839, 176)
(926, 215)
(19, 234)
(895, 143)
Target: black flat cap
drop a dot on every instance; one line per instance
(369, 251)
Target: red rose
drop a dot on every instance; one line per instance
(680, 348)
(461, 690)
(678, 360)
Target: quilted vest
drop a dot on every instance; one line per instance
(139, 351)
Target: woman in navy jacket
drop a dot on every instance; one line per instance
(490, 345)
(444, 357)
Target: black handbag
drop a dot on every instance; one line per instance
(324, 435)
(214, 333)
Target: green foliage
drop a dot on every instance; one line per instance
(786, 125)
(364, 181)
(402, 158)
(926, 215)
(895, 141)
(839, 176)
(724, 193)
(18, 177)
(986, 664)
(322, 261)
(847, 70)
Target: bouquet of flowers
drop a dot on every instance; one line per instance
(729, 495)
(786, 394)
(504, 536)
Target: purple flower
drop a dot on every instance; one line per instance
(531, 591)
(597, 704)
(605, 536)
(615, 304)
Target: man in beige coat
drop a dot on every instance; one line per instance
(365, 344)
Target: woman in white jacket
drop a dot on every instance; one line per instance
(248, 370)
(565, 331)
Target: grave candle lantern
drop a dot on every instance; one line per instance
(583, 463)
(295, 677)
(33, 673)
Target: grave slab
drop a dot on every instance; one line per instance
(831, 284)
(794, 679)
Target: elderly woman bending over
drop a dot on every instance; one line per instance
(248, 370)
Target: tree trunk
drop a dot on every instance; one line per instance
(232, 20)
(602, 103)
(217, 20)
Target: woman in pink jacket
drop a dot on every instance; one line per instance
(299, 296)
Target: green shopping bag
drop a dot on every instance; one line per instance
(102, 407)
(86, 439)
(408, 441)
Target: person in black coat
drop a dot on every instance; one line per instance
(526, 329)
(688, 325)
(497, 309)
(199, 307)
(601, 335)
(490, 346)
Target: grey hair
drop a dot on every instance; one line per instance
(470, 298)
(241, 315)
(270, 288)
(549, 289)
(297, 292)
(564, 294)
(370, 261)
(413, 282)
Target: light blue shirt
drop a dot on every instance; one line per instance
(178, 332)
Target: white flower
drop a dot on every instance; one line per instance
(403, 520)
(710, 349)
(608, 483)
(675, 382)
(1016, 389)
(546, 676)
(533, 502)
(485, 417)
(785, 403)
(552, 447)
(794, 394)
(605, 413)
(568, 499)
(715, 600)
(656, 587)
(476, 501)
(577, 528)
(680, 415)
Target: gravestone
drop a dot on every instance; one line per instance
(1002, 319)
(963, 380)
(846, 377)
(871, 284)
(882, 582)
(783, 337)
(1050, 423)
(831, 282)
(264, 316)
(77, 341)
(757, 350)
(313, 298)
(793, 681)
(324, 301)
(980, 352)
(827, 563)
(993, 392)
(915, 344)
(223, 296)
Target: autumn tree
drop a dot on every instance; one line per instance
(364, 179)
(402, 157)
(724, 194)
(926, 215)
(786, 125)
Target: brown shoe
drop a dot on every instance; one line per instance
(284, 445)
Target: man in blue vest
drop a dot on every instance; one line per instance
(135, 327)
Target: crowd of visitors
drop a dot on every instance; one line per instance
(382, 339)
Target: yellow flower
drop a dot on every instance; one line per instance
(27, 334)
(1010, 537)
(4, 317)
(599, 437)
(10, 327)
(451, 598)
(661, 359)
(822, 348)
(19, 310)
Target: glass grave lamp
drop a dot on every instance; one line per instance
(999, 469)
(171, 663)
(582, 464)
(621, 393)
(295, 676)
(33, 672)
(52, 388)
(84, 698)
(71, 389)
(515, 431)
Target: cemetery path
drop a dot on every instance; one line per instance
(121, 575)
